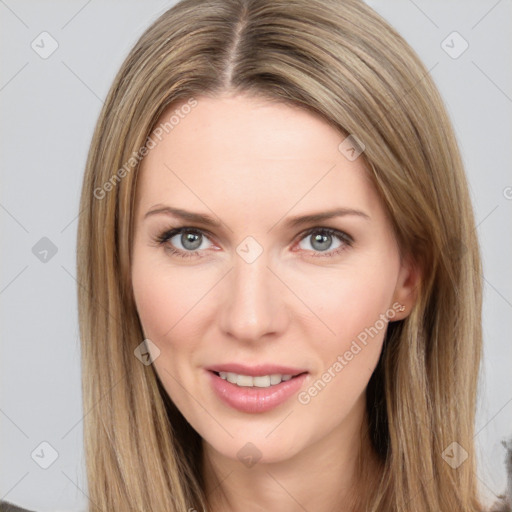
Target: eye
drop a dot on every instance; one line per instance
(191, 241)
(186, 242)
(322, 242)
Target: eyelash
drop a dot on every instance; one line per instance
(346, 240)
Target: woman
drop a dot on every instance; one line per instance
(235, 354)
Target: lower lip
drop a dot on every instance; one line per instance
(254, 399)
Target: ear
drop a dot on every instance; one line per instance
(407, 286)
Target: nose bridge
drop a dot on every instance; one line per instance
(253, 306)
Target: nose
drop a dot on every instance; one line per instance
(253, 306)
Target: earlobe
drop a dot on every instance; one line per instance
(407, 286)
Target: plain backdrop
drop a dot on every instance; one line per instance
(49, 106)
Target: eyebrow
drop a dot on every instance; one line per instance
(205, 219)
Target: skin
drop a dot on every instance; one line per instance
(252, 164)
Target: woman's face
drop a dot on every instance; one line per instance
(260, 294)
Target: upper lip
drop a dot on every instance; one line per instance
(256, 370)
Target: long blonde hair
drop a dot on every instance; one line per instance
(341, 60)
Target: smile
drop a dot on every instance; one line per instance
(255, 394)
(263, 381)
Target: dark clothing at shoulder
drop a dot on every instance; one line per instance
(10, 507)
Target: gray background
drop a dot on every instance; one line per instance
(49, 107)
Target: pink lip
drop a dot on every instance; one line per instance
(254, 399)
(255, 371)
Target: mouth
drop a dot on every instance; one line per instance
(260, 381)
(255, 390)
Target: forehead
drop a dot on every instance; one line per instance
(250, 156)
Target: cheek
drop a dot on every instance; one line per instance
(164, 300)
(356, 309)
(169, 305)
(164, 297)
(352, 301)
(155, 300)
(173, 307)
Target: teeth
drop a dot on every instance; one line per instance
(244, 380)
(263, 381)
(275, 379)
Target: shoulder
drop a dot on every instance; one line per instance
(10, 507)
(502, 505)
